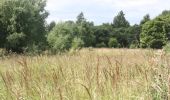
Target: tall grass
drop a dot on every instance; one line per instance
(98, 74)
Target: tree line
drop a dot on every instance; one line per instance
(23, 28)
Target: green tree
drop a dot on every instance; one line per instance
(23, 20)
(102, 35)
(15, 40)
(51, 26)
(145, 19)
(156, 33)
(121, 29)
(165, 12)
(120, 21)
(85, 30)
(77, 43)
(113, 43)
(80, 18)
(61, 37)
(165, 17)
(122, 35)
(153, 34)
(134, 35)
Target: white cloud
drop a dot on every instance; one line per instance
(101, 11)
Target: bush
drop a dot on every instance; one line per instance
(113, 43)
(33, 50)
(60, 38)
(60, 44)
(15, 42)
(77, 43)
(100, 45)
(134, 44)
(153, 34)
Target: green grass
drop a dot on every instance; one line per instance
(95, 74)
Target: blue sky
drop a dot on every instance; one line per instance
(103, 11)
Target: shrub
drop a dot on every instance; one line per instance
(60, 44)
(113, 43)
(77, 43)
(134, 44)
(153, 34)
(33, 50)
(60, 38)
(100, 45)
(15, 41)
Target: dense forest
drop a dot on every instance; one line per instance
(23, 28)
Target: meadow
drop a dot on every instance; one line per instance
(88, 74)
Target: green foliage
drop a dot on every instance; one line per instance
(61, 43)
(122, 36)
(22, 16)
(77, 43)
(153, 34)
(80, 18)
(15, 41)
(134, 44)
(165, 17)
(102, 34)
(120, 21)
(113, 43)
(145, 19)
(51, 26)
(61, 36)
(71, 35)
(23, 28)
(165, 12)
(124, 33)
(100, 45)
(84, 30)
(33, 49)
(135, 31)
(15, 38)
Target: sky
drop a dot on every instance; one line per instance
(103, 11)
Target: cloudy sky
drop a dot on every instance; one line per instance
(102, 11)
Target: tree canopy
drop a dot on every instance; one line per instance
(155, 33)
(120, 21)
(145, 19)
(23, 28)
(22, 23)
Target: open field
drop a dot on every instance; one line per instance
(90, 74)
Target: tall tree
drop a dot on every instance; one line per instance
(165, 12)
(153, 34)
(165, 17)
(85, 30)
(51, 26)
(80, 18)
(61, 36)
(145, 19)
(102, 35)
(120, 21)
(23, 23)
(120, 29)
